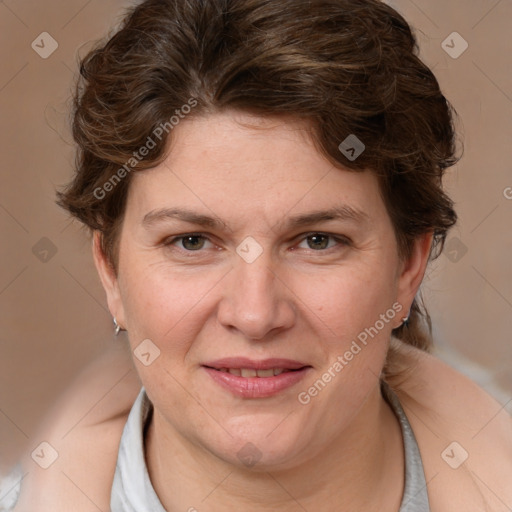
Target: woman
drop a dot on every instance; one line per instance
(263, 183)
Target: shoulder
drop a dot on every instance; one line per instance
(82, 432)
(464, 435)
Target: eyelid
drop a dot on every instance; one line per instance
(340, 239)
(170, 241)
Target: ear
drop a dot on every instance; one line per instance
(412, 271)
(108, 280)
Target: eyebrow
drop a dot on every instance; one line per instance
(345, 212)
(162, 214)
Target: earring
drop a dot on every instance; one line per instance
(117, 327)
(405, 320)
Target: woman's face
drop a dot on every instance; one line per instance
(247, 243)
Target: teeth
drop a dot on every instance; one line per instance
(246, 372)
(264, 373)
(250, 372)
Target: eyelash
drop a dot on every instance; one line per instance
(340, 240)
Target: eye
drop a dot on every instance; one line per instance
(190, 242)
(322, 241)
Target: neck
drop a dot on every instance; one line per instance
(367, 456)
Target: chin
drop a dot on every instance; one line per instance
(262, 444)
(260, 459)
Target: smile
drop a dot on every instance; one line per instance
(256, 379)
(251, 372)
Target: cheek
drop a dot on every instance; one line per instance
(345, 302)
(170, 309)
(161, 304)
(351, 315)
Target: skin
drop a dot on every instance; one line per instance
(294, 301)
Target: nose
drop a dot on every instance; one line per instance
(256, 301)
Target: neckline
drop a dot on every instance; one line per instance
(415, 495)
(132, 490)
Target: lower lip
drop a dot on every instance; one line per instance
(257, 387)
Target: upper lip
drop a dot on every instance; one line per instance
(264, 364)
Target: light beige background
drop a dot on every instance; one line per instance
(53, 314)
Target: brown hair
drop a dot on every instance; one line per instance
(344, 66)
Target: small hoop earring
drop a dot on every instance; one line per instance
(405, 320)
(117, 327)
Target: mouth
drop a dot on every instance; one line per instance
(256, 379)
(251, 372)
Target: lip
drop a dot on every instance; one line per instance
(264, 364)
(256, 387)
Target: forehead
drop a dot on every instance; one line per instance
(236, 164)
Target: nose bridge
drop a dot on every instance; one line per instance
(255, 303)
(255, 280)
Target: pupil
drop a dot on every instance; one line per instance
(318, 241)
(193, 242)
